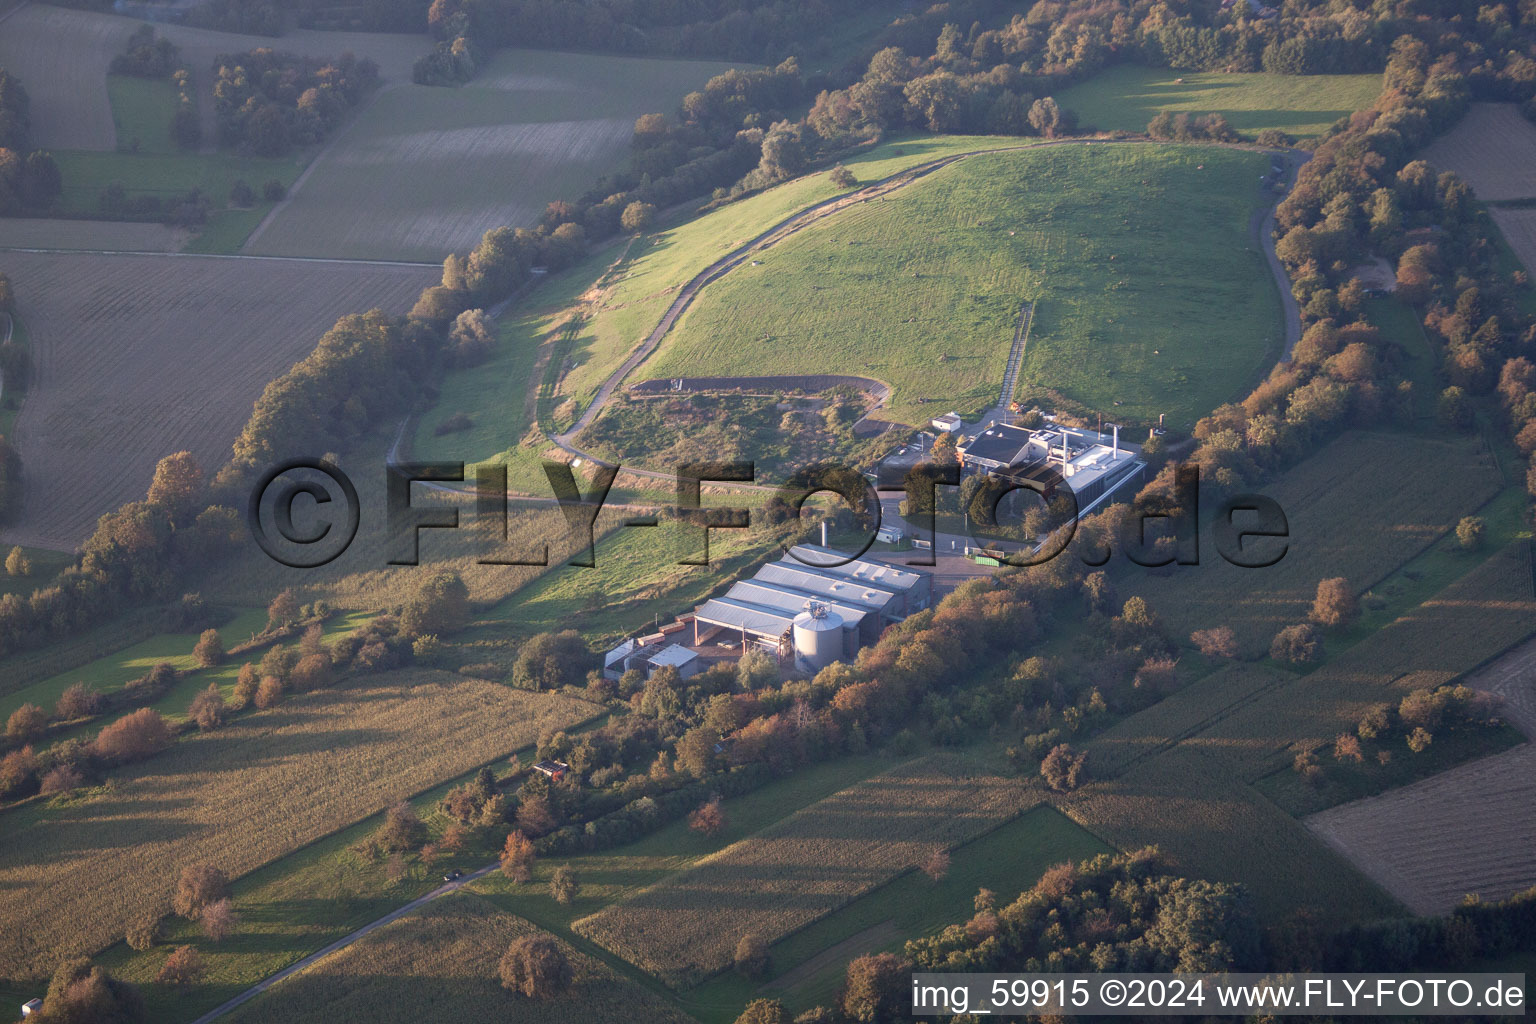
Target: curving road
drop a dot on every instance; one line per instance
(1261, 228)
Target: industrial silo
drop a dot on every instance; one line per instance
(818, 633)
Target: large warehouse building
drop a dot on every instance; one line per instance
(807, 606)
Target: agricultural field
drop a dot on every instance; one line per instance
(425, 171)
(96, 235)
(1493, 149)
(1518, 226)
(808, 967)
(807, 866)
(1355, 510)
(104, 330)
(1127, 96)
(1470, 830)
(241, 797)
(1212, 825)
(1149, 297)
(113, 671)
(46, 47)
(441, 963)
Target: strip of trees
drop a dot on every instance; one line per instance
(30, 182)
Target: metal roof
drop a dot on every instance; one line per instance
(867, 570)
(827, 584)
(754, 618)
(787, 599)
(675, 655)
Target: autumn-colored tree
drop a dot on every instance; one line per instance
(209, 650)
(200, 885)
(936, 866)
(877, 987)
(17, 563)
(751, 959)
(1335, 604)
(517, 857)
(144, 932)
(134, 736)
(1470, 532)
(1216, 642)
(1419, 740)
(218, 919)
(79, 701)
(402, 828)
(81, 993)
(208, 709)
(1346, 747)
(1062, 768)
(283, 610)
(269, 693)
(536, 967)
(311, 672)
(637, 216)
(1297, 644)
(246, 683)
(26, 724)
(61, 778)
(709, 818)
(564, 885)
(182, 968)
(764, 1011)
(535, 816)
(943, 450)
(177, 485)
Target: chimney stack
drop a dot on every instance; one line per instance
(1116, 428)
(823, 533)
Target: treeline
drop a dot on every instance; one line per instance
(145, 56)
(30, 182)
(1362, 196)
(760, 31)
(268, 102)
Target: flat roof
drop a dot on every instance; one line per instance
(1000, 443)
(867, 570)
(675, 655)
(754, 618)
(1097, 463)
(826, 584)
(787, 599)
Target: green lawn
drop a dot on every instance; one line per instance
(142, 109)
(1149, 298)
(1127, 96)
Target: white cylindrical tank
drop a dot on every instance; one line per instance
(818, 633)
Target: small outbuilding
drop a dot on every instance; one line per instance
(554, 769)
(30, 1007)
(687, 663)
(949, 423)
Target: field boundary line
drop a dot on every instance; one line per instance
(298, 182)
(215, 256)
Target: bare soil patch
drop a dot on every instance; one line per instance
(140, 356)
(1493, 148)
(1469, 830)
(95, 235)
(61, 57)
(1519, 227)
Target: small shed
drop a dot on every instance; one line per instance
(889, 534)
(30, 1007)
(949, 423)
(615, 661)
(688, 663)
(554, 769)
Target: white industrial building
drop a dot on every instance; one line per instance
(817, 612)
(1092, 464)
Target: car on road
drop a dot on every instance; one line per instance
(453, 876)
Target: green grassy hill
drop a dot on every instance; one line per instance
(1149, 296)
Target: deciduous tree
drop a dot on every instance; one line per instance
(536, 967)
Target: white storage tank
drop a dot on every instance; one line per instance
(818, 634)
